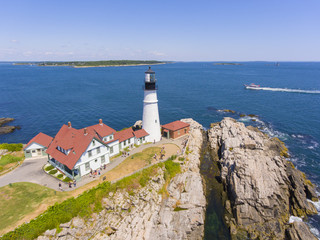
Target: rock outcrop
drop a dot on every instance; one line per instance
(146, 214)
(7, 129)
(263, 188)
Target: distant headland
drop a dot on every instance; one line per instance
(84, 64)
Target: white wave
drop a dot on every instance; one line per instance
(245, 119)
(286, 90)
(315, 232)
(316, 204)
(295, 219)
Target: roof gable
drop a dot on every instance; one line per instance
(40, 138)
(102, 129)
(124, 134)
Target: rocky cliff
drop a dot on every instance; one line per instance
(263, 188)
(146, 214)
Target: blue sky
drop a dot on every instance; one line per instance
(247, 30)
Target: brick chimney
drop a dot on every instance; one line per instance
(85, 132)
(100, 121)
(69, 124)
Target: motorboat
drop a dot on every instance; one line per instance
(252, 86)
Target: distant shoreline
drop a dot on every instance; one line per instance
(124, 65)
(87, 64)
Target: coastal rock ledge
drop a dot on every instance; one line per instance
(263, 188)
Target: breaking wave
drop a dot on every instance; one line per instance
(287, 90)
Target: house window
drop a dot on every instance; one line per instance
(125, 142)
(178, 132)
(185, 131)
(87, 165)
(33, 151)
(103, 159)
(129, 141)
(90, 153)
(143, 138)
(155, 121)
(111, 137)
(28, 151)
(93, 142)
(98, 150)
(111, 150)
(105, 139)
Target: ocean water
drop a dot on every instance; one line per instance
(288, 106)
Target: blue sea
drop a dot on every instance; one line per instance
(41, 99)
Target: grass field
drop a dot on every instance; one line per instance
(10, 161)
(133, 163)
(21, 199)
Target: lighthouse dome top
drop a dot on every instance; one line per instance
(150, 71)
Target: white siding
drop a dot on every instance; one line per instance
(132, 142)
(140, 141)
(94, 160)
(115, 146)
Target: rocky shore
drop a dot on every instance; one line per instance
(7, 129)
(147, 214)
(263, 188)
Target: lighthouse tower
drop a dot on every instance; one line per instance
(150, 119)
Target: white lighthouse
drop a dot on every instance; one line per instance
(150, 119)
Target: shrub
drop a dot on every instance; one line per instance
(12, 147)
(172, 168)
(66, 179)
(49, 168)
(6, 159)
(60, 175)
(181, 158)
(1, 168)
(54, 171)
(173, 157)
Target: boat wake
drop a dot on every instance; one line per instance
(287, 90)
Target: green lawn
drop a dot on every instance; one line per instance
(20, 199)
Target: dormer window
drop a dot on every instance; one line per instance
(111, 137)
(93, 143)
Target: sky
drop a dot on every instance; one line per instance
(230, 30)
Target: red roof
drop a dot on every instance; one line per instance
(102, 129)
(41, 138)
(124, 134)
(71, 139)
(176, 125)
(140, 133)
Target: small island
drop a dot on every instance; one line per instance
(82, 64)
(227, 63)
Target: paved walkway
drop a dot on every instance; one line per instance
(31, 169)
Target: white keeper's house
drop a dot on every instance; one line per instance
(76, 152)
